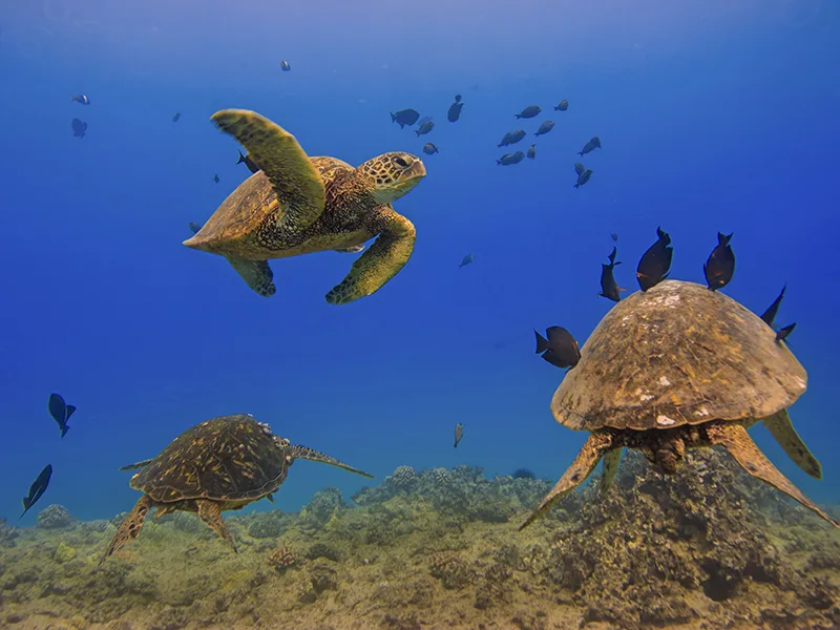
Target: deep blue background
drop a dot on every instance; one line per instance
(719, 117)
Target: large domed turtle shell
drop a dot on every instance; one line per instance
(227, 458)
(677, 354)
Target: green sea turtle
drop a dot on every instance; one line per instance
(678, 367)
(221, 464)
(299, 205)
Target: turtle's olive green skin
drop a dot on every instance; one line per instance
(221, 464)
(678, 367)
(300, 205)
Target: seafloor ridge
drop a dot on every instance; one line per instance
(707, 548)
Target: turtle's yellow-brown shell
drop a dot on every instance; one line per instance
(229, 458)
(677, 354)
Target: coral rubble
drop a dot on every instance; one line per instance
(706, 548)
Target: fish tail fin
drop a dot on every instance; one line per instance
(542, 343)
(26, 506)
(393, 118)
(456, 444)
(417, 132)
(241, 158)
(576, 186)
(517, 116)
(64, 430)
(724, 239)
(580, 152)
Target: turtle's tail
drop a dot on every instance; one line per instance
(304, 452)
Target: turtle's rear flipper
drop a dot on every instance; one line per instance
(145, 462)
(256, 274)
(382, 261)
(585, 462)
(304, 452)
(293, 177)
(611, 461)
(130, 527)
(734, 438)
(781, 428)
(211, 513)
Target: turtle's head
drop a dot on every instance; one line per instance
(391, 175)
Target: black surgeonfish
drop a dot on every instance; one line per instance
(594, 143)
(454, 112)
(583, 175)
(247, 161)
(784, 333)
(60, 411)
(529, 112)
(720, 266)
(560, 348)
(609, 287)
(405, 117)
(38, 487)
(769, 316)
(459, 433)
(79, 128)
(656, 261)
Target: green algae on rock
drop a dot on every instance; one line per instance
(709, 545)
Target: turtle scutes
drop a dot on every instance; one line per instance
(296, 204)
(221, 464)
(679, 367)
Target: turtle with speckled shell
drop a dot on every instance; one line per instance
(222, 464)
(299, 205)
(679, 367)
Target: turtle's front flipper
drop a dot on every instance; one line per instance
(611, 461)
(594, 448)
(781, 428)
(211, 513)
(130, 527)
(256, 274)
(293, 177)
(304, 452)
(734, 438)
(382, 261)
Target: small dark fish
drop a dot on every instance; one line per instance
(614, 237)
(79, 128)
(769, 316)
(512, 137)
(466, 261)
(216, 178)
(785, 332)
(529, 112)
(60, 412)
(609, 287)
(560, 349)
(547, 126)
(80, 98)
(454, 112)
(176, 117)
(285, 66)
(583, 175)
(38, 487)
(425, 128)
(563, 106)
(511, 158)
(195, 227)
(459, 433)
(532, 152)
(247, 161)
(594, 143)
(656, 261)
(720, 266)
(430, 149)
(405, 117)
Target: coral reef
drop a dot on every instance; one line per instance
(707, 548)
(55, 517)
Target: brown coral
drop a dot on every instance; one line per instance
(452, 572)
(282, 558)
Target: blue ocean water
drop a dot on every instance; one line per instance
(713, 117)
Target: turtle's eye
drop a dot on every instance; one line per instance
(401, 162)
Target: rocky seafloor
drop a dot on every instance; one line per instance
(707, 548)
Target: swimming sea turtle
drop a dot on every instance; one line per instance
(678, 367)
(298, 205)
(222, 464)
